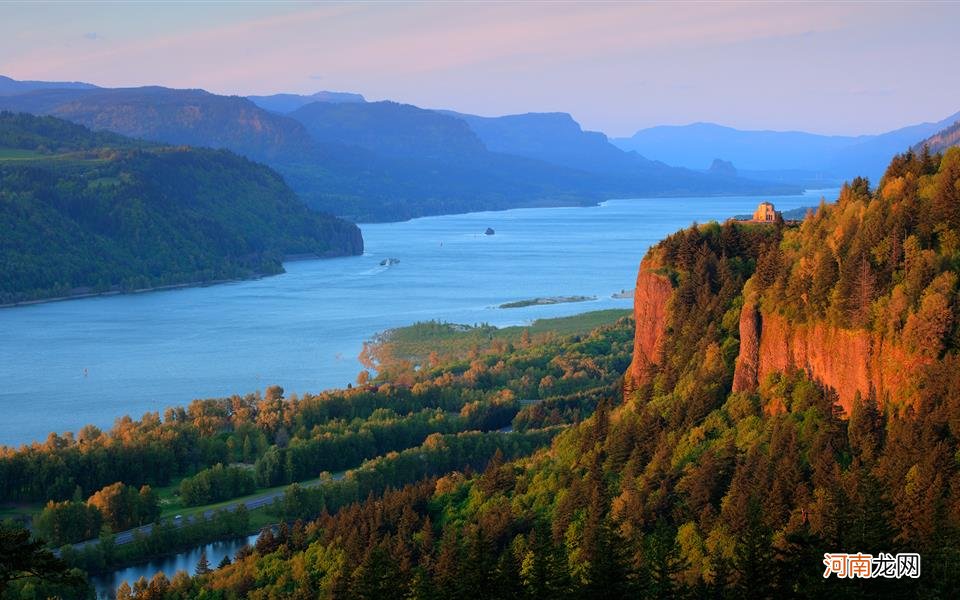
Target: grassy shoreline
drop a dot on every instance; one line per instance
(546, 301)
(417, 341)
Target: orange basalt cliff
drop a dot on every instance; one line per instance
(849, 361)
(650, 305)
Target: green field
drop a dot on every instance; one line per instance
(10, 154)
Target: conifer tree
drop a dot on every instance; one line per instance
(203, 566)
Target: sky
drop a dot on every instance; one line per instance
(825, 67)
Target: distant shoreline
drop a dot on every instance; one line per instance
(547, 301)
(589, 203)
(159, 288)
(308, 256)
(173, 286)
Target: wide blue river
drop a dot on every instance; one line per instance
(65, 364)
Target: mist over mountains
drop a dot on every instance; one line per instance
(285, 103)
(770, 153)
(383, 161)
(387, 161)
(10, 86)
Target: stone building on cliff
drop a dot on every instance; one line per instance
(765, 213)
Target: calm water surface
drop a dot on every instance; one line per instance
(65, 364)
(106, 585)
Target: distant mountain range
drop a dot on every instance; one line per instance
(771, 154)
(555, 138)
(86, 212)
(378, 161)
(12, 86)
(392, 129)
(285, 103)
(189, 117)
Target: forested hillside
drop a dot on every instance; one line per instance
(93, 212)
(738, 450)
(862, 295)
(681, 486)
(941, 140)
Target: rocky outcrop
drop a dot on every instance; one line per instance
(849, 361)
(650, 306)
(748, 361)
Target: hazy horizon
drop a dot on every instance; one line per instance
(837, 69)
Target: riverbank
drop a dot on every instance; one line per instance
(158, 288)
(173, 286)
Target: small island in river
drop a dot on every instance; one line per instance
(547, 300)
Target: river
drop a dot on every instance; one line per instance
(66, 364)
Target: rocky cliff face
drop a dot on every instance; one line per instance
(650, 300)
(847, 360)
(850, 361)
(748, 360)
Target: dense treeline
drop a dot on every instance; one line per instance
(49, 135)
(93, 212)
(687, 489)
(123, 506)
(380, 433)
(116, 506)
(440, 454)
(154, 451)
(67, 522)
(217, 483)
(883, 260)
(286, 439)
